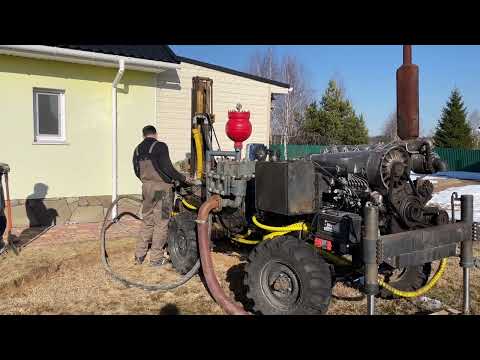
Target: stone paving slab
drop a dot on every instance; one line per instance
(74, 232)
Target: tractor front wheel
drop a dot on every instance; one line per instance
(286, 276)
(182, 242)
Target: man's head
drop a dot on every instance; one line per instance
(149, 131)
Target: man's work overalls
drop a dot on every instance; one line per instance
(3, 219)
(156, 195)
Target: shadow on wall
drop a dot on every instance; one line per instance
(169, 79)
(40, 218)
(37, 212)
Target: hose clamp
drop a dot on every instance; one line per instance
(200, 221)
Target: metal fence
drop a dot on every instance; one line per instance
(457, 159)
(460, 159)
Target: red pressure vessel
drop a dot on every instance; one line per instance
(238, 127)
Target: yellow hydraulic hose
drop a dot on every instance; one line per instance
(197, 137)
(238, 237)
(300, 226)
(187, 205)
(275, 234)
(242, 239)
(422, 290)
(407, 294)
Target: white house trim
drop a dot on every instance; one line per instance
(85, 57)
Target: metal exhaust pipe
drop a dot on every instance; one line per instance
(407, 97)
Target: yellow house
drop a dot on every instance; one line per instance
(70, 117)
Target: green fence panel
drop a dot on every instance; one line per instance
(457, 159)
(297, 151)
(460, 159)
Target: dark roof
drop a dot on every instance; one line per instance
(233, 72)
(149, 52)
(163, 53)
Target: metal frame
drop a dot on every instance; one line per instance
(464, 231)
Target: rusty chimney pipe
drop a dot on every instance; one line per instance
(407, 54)
(407, 97)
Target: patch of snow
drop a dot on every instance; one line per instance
(443, 199)
(433, 179)
(462, 175)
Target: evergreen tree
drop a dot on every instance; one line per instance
(335, 121)
(354, 131)
(453, 130)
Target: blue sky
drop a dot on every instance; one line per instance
(368, 73)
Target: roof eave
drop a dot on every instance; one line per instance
(86, 57)
(279, 86)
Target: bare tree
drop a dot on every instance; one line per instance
(265, 64)
(289, 110)
(474, 122)
(390, 128)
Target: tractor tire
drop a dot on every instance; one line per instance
(182, 242)
(290, 263)
(409, 279)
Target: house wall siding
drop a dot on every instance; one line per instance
(79, 173)
(83, 166)
(174, 96)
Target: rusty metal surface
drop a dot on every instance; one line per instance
(407, 97)
(407, 54)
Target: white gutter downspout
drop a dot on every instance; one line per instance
(285, 150)
(117, 79)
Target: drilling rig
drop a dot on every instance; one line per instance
(348, 213)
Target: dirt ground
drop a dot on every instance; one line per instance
(66, 276)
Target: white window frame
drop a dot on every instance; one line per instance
(49, 139)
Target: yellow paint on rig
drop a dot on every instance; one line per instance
(197, 138)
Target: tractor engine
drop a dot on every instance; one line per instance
(340, 182)
(380, 175)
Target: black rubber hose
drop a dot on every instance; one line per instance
(104, 256)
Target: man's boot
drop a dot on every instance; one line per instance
(139, 260)
(160, 262)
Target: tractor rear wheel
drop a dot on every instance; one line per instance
(182, 242)
(286, 276)
(406, 279)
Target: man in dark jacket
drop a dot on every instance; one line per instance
(152, 165)
(3, 220)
